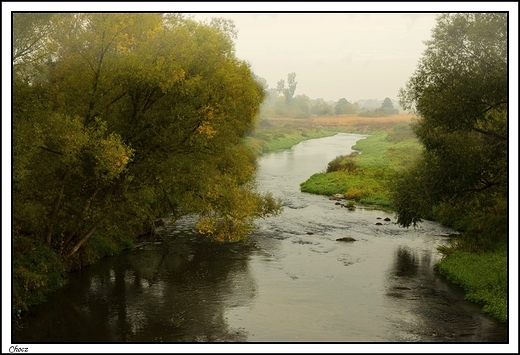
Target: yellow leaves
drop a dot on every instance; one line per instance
(207, 225)
(224, 229)
(231, 210)
(112, 156)
(123, 48)
(206, 129)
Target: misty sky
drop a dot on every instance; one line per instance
(334, 55)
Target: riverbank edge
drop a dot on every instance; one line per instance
(459, 268)
(286, 141)
(58, 275)
(56, 272)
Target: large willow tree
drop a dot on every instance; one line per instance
(460, 91)
(122, 118)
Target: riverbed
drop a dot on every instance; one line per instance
(292, 281)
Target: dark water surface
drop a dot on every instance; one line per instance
(291, 282)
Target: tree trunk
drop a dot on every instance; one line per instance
(91, 231)
(71, 234)
(54, 215)
(84, 239)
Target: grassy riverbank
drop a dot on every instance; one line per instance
(367, 178)
(273, 135)
(283, 133)
(483, 276)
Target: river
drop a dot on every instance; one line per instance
(291, 282)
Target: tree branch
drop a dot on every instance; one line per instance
(52, 151)
(493, 134)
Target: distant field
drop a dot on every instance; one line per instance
(349, 122)
(282, 132)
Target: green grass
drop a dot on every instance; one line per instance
(367, 186)
(483, 276)
(366, 177)
(265, 142)
(397, 149)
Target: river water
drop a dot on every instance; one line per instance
(291, 282)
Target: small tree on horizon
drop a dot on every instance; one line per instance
(288, 91)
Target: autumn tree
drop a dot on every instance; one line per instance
(459, 90)
(131, 117)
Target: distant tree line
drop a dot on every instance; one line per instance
(282, 102)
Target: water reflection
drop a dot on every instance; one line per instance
(174, 292)
(406, 263)
(292, 282)
(431, 310)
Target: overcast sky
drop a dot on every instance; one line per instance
(334, 55)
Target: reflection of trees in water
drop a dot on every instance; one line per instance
(405, 262)
(434, 312)
(183, 293)
(175, 293)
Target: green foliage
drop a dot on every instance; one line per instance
(368, 177)
(37, 271)
(351, 205)
(343, 107)
(387, 104)
(343, 163)
(483, 277)
(288, 92)
(322, 108)
(122, 118)
(460, 91)
(268, 138)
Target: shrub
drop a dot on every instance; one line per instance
(343, 163)
(37, 271)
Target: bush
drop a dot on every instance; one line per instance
(343, 163)
(37, 271)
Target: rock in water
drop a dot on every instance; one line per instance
(346, 239)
